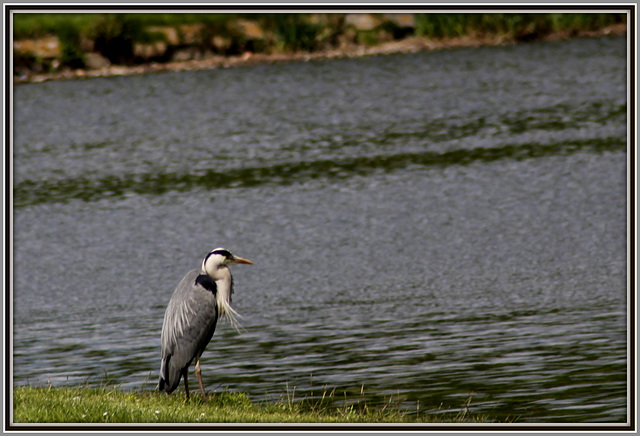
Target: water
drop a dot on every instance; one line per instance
(440, 227)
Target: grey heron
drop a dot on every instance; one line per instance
(200, 299)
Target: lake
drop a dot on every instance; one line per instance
(447, 229)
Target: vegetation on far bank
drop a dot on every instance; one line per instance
(49, 43)
(109, 404)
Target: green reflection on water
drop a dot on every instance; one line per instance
(31, 192)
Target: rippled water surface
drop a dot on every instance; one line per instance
(444, 228)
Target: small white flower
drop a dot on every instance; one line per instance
(157, 412)
(105, 413)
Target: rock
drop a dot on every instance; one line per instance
(220, 43)
(47, 47)
(191, 33)
(148, 51)
(171, 36)
(363, 21)
(95, 61)
(250, 29)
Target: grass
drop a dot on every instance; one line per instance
(291, 32)
(296, 26)
(38, 25)
(110, 404)
(516, 26)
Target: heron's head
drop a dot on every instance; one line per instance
(221, 257)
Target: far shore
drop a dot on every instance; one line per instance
(408, 45)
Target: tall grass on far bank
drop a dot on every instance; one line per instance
(108, 404)
(133, 38)
(293, 27)
(519, 27)
(37, 25)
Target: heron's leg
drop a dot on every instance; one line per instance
(185, 374)
(199, 377)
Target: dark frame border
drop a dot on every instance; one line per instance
(373, 8)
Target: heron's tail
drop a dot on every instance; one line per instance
(169, 376)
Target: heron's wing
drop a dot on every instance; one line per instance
(189, 323)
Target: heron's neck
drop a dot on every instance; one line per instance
(222, 277)
(224, 289)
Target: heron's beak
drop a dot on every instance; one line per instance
(239, 259)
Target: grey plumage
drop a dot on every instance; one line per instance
(191, 316)
(189, 324)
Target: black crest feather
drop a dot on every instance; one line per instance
(224, 253)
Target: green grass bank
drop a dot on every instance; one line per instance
(56, 43)
(113, 405)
